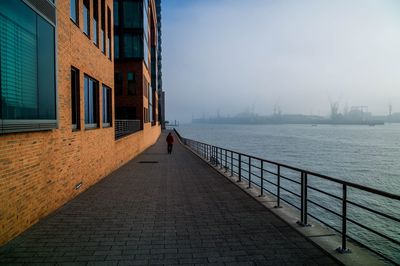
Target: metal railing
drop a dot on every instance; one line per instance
(126, 127)
(300, 188)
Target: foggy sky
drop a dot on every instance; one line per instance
(229, 56)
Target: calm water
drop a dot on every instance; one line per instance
(360, 154)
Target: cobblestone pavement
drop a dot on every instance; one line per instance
(176, 211)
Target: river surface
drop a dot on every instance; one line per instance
(365, 155)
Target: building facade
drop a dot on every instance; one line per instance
(135, 29)
(58, 127)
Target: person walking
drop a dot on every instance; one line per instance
(170, 142)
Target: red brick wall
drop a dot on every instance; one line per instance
(39, 170)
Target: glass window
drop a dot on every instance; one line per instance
(109, 32)
(86, 17)
(106, 106)
(132, 14)
(75, 114)
(116, 46)
(118, 83)
(95, 22)
(103, 27)
(91, 88)
(150, 92)
(116, 15)
(27, 66)
(131, 83)
(73, 10)
(133, 45)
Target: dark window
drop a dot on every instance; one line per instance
(133, 45)
(146, 32)
(131, 83)
(103, 27)
(75, 103)
(116, 10)
(86, 17)
(150, 98)
(109, 32)
(132, 14)
(27, 68)
(91, 89)
(118, 83)
(106, 106)
(73, 10)
(125, 113)
(116, 46)
(96, 22)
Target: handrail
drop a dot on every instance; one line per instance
(247, 167)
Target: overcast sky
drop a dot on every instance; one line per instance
(236, 55)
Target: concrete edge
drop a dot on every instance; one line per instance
(322, 237)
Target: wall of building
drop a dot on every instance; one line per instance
(41, 171)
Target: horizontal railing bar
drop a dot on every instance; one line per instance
(374, 211)
(272, 173)
(291, 204)
(325, 223)
(374, 231)
(325, 208)
(269, 191)
(289, 179)
(324, 192)
(291, 192)
(336, 180)
(270, 182)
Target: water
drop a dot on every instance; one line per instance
(360, 154)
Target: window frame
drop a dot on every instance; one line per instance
(95, 108)
(77, 97)
(76, 22)
(86, 17)
(15, 125)
(108, 123)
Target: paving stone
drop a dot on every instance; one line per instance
(176, 212)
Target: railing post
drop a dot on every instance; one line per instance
(278, 192)
(262, 178)
(220, 159)
(240, 168)
(343, 248)
(231, 163)
(303, 200)
(249, 172)
(226, 161)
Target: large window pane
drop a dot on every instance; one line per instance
(116, 13)
(27, 64)
(75, 114)
(132, 14)
(86, 17)
(46, 69)
(91, 102)
(131, 83)
(106, 106)
(118, 83)
(133, 45)
(116, 46)
(73, 10)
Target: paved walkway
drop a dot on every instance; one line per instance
(175, 211)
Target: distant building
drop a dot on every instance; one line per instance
(161, 93)
(59, 133)
(135, 34)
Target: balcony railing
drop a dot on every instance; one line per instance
(126, 127)
(364, 215)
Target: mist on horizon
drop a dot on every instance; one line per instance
(226, 57)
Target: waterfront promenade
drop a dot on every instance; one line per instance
(163, 209)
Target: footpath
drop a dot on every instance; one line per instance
(163, 209)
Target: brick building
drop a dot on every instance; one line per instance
(58, 130)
